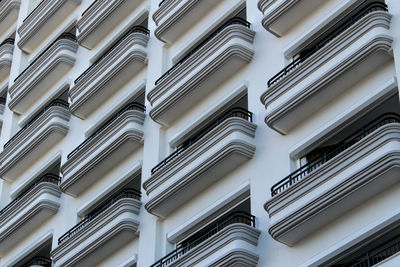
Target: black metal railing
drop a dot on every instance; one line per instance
(379, 254)
(140, 29)
(36, 8)
(303, 171)
(65, 35)
(89, 7)
(232, 21)
(330, 35)
(39, 261)
(234, 112)
(47, 178)
(55, 103)
(8, 41)
(2, 101)
(213, 229)
(130, 106)
(127, 193)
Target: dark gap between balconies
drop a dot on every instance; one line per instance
(39, 257)
(8, 41)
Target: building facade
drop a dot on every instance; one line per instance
(199, 133)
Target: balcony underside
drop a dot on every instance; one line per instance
(8, 15)
(362, 171)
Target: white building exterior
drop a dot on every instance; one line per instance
(199, 133)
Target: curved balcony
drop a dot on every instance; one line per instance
(173, 18)
(110, 72)
(9, 10)
(219, 148)
(45, 71)
(361, 167)
(112, 225)
(101, 17)
(39, 24)
(42, 132)
(208, 65)
(361, 44)
(6, 52)
(227, 242)
(104, 149)
(27, 211)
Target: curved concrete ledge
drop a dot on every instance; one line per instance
(225, 54)
(42, 74)
(8, 14)
(360, 172)
(28, 213)
(6, 52)
(41, 135)
(40, 23)
(264, 4)
(113, 228)
(237, 257)
(220, 151)
(101, 18)
(122, 137)
(109, 74)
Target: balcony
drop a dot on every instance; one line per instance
(110, 144)
(45, 71)
(39, 24)
(209, 64)
(39, 262)
(6, 52)
(230, 241)
(110, 72)
(360, 167)
(2, 105)
(37, 137)
(361, 44)
(217, 149)
(8, 15)
(29, 210)
(173, 18)
(282, 15)
(101, 17)
(110, 226)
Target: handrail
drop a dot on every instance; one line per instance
(87, 9)
(232, 21)
(127, 193)
(37, 7)
(48, 178)
(40, 261)
(331, 34)
(137, 28)
(385, 251)
(57, 102)
(130, 106)
(214, 228)
(303, 171)
(65, 35)
(8, 41)
(234, 112)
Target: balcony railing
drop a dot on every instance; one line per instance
(47, 178)
(140, 29)
(329, 34)
(302, 172)
(127, 193)
(232, 21)
(8, 41)
(379, 254)
(130, 106)
(38, 261)
(213, 229)
(65, 35)
(55, 103)
(234, 112)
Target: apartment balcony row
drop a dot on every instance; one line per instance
(39, 24)
(110, 72)
(9, 10)
(360, 167)
(218, 148)
(109, 226)
(229, 241)
(6, 52)
(323, 70)
(101, 17)
(219, 56)
(36, 204)
(38, 135)
(45, 71)
(112, 142)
